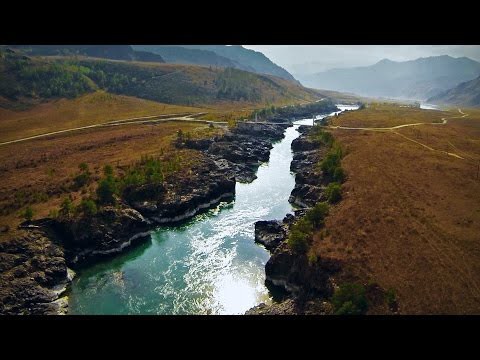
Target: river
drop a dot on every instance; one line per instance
(209, 265)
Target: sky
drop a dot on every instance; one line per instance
(314, 58)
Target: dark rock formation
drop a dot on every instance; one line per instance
(309, 179)
(33, 275)
(269, 233)
(108, 232)
(240, 151)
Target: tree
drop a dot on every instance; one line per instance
(333, 192)
(28, 213)
(350, 299)
(88, 207)
(106, 191)
(317, 214)
(66, 208)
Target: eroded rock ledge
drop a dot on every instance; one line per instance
(33, 266)
(306, 282)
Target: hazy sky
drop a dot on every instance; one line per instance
(314, 58)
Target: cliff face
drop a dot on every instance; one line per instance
(307, 283)
(33, 265)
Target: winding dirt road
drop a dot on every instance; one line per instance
(153, 119)
(393, 128)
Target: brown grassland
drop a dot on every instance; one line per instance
(96, 108)
(40, 171)
(410, 215)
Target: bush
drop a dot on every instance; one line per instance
(66, 208)
(108, 170)
(298, 241)
(106, 191)
(88, 207)
(333, 192)
(81, 180)
(338, 174)
(316, 215)
(350, 299)
(28, 213)
(390, 298)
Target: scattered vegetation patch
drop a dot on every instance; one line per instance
(350, 299)
(301, 233)
(333, 192)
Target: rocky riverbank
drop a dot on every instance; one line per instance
(33, 269)
(240, 151)
(306, 282)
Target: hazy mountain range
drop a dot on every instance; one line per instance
(219, 55)
(466, 94)
(420, 79)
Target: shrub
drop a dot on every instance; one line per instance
(350, 299)
(316, 215)
(81, 180)
(338, 174)
(88, 207)
(66, 208)
(28, 213)
(108, 170)
(333, 192)
(298, 241)
(390, 298)
(106, 191)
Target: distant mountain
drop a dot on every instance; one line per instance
(181, 55)
(114, 52)
(416, 79)
(465, 94)
(249, 58)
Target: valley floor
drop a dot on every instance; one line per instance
(410, 215)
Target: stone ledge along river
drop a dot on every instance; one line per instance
(209, 265)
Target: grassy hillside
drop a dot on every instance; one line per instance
(247, 57)
(89, 109)
(181, 55)
(116, 52)
(31, 78)
(465, 94)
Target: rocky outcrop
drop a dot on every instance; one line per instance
(309, 179)
(33, 275)
(306, 281)
(112, 230)
(294, 273)
(269, 233)
(240, 151)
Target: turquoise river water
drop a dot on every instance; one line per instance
(209, 265)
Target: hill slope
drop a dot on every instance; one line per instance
(246, 57)
(26, 79)
(181, 55)
(416, 79)
(115, 52)
(465, 94)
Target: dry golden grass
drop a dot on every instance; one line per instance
(386, 115)
(410, 217)
(90, 109)
(47, 165)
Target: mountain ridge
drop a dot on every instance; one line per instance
(465, 94)
(421, 78)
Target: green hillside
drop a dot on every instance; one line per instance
(26, 79)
